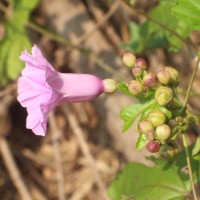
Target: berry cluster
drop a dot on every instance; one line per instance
(155, 127)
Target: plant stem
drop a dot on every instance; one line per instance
(83, 50)
(189, 165)
(190, 84)
(49, 34)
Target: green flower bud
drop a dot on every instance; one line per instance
(163, 132)
(163, 76)
(156, 117)
(110, 85)
(153, 146)
(137, 71)
(149, 80)
(163, 95)
(129, 59)
(145, 126)
(150, 135)
(174, 75)
(169, 150)
(135, 87)
(140, 62)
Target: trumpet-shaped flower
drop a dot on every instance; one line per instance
(41, 88)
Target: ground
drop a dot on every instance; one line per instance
(84, 150)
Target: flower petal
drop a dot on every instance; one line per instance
(29, 91)
(75, 87)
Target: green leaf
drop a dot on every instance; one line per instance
(15, 40)
(149, 35)
(196, 149)
(188, 11)
(14, 64)
(141, 142)
(165, 181)
(157, 106)
(130, 113)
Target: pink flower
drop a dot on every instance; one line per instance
(41, 88)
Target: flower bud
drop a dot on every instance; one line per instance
(140, 62)
(174, 75)
(149, 80)
(150, 135)
(163, 95)
(163, 76)
(135, 87)
(156, 117)
(110, 85)
(163, 132)
(137, 71)
(153, 146)
(145, 126)
(129, 59)
(169, 150)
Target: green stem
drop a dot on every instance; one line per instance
(189, 165)
(190, 84)
(192, 93)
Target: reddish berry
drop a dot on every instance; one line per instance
(153, 146)
(149, 80)
(140, 62)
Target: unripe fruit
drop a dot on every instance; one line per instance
(149, 80)
(140, 62)
(150, 135)
(110, 85)
(169, 150)
(156, 117)
(153, 146)
(135, 87)
(163, 95)
(137, 71)
(129, 59)
(163, 76)
(163, 132)
(145, 126)
(174, 75)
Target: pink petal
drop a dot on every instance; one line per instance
(76, 87)
(41, 88)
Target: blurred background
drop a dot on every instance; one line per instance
(84, 148)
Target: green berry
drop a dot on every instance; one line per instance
(135, 87)
(163, 95)
(169, 150)
(145, 126)
(174, 75)
(110, 85)
(156, 117)
(163, 76)
(150, 135)
(163, 132)
(129, 59)
(137, 71)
